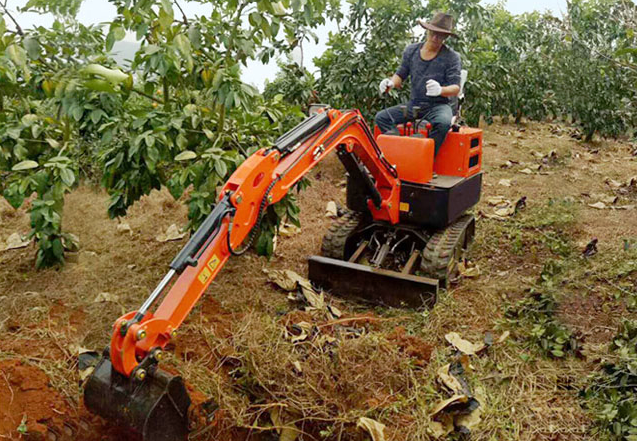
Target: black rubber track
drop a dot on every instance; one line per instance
(334, 240)
(443, 251)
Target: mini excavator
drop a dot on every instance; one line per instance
(406, 229)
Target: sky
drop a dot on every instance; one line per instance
(97, 11)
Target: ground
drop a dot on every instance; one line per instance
(380, 363)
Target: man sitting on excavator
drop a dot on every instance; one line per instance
(435, 76)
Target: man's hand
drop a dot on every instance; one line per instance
(433, 88)
(386, 85)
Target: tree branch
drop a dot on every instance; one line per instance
(150, 97)
(182, 12)
(6, 11)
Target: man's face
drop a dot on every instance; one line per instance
(436, 38)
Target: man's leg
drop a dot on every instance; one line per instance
(440, 118)
(387, 119)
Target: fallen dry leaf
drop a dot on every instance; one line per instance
(598, 205)
(124, 227)
(331, 210)
(467, 422)
(439, 429)
(289, 230)
(537, 154)
(287, 431)
(286, 279)
(449, 404)
(505, 211)
(314, 299)
(526, 171)
(464, 346)
(14, 241)
(305, 330)
(468, 271)
(373, 427)
(172, 233)
(448, 380)
(503, 337)
(505, 182)
(612, 183)
(106, 297)
(496, 200)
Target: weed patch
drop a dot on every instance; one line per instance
(534, 318)
(612, 392)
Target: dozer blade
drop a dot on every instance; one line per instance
(156, 408)
(374, 285)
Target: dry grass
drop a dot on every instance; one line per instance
(236, 345)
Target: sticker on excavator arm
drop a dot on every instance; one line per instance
(204, 275)
(213, 263)
(404, 206)
(207, 271)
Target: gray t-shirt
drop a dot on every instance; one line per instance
(444, 68)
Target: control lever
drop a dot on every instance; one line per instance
(415, 111)
(405, 114)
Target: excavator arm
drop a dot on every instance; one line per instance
(119, 388)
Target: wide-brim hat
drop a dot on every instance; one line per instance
(441, 22)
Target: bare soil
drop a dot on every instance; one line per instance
(234, 345)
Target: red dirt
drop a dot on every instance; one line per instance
(25, 395)
(413, 346)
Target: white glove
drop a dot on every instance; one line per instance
(386, 85)
(433, 88)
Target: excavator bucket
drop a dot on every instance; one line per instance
(156, 408)
(372, 285)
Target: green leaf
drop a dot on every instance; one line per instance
(153, 155)
(57, 248)
(265, 245)
(115, 76)
(3, 26)
(96, 115)
(255, 19)
(183, 44)
(182, 141)
(110, 41)
(167, 6)
(118, 33)
(185, 155)
(221, 168)
(17, 55)
(24, 165)
(14, 132)
(278, 8)
(175, 188)
(22, 428)
(99, 85)
(13, 195)
(165, 18)
(29, 119)
(151, 49)
(194, 35)
(68, 177)
(32, 45)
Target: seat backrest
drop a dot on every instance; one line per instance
(463, 80)
(454, 101)
(413, 157)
